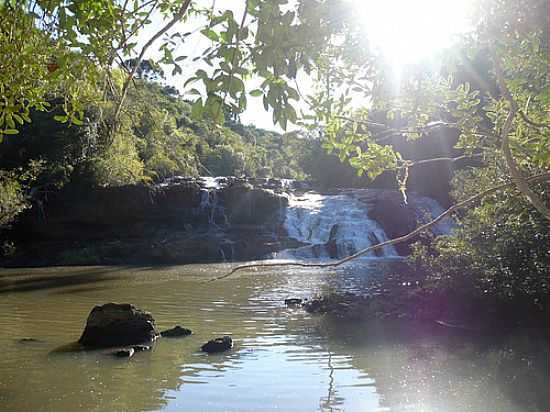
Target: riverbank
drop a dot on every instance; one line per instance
(413, 297)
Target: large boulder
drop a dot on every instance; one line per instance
(396, 217)
(118, 324)
(247, 205)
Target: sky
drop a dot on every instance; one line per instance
(404, 31)
(255, 113)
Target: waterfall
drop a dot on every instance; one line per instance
(331, 226)
(209, 204)
(426, 209)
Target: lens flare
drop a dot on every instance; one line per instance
(406, 31)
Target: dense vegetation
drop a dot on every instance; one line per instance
(119, 125)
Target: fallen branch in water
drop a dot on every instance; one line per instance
(533, 179)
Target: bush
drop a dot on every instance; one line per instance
(501, 247)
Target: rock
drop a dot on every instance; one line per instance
(141, 348)
(348, 306)
(313, 306)
(293, 301)
(116, 324)
(217, 345)
(161, 224)
(395, 216)
(245, 204)
(176, 332)
(124, 353)
(30, 340)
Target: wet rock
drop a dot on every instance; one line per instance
(176, 332)
(30, 340)
(314, 306)
(161, 224)
(346, 305)
(398, 218)
(116, 324)
(217, 345)
(124, 353)
(293, 301)
(245, 204)
(141, 348)
(113, 212)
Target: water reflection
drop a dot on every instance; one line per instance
(283, 359)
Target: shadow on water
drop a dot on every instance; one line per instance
(283, 358)
(73, 291)
(12, 283)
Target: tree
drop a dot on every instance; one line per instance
(500, 110)
(59, 47)
(502, 121)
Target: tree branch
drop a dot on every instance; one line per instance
(411, 163)
(532, 123)
(177, 17)
(513, 167)
(533, 179)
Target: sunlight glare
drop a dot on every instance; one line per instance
(406, 31)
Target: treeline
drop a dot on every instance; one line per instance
(156, 137)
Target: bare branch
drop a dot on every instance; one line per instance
(176, 18)
(532, 123)
(513, 167)
(142, 22)
(443, 159)
(421, 229)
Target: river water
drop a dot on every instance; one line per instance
(283, 360)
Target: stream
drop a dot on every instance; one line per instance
(283, 359)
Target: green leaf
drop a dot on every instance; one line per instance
(61, 118)
(18, 118)
(256, 93)
(76, 121)
(211, 34)
(196, 110)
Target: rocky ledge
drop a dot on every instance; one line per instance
(184, 220)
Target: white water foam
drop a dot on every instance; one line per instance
(332, 226)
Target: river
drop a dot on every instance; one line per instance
(283, 360)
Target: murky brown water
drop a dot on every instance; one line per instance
(283, 360)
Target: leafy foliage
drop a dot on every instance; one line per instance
(156, 138)
(60, 56)
(499, 248)
(13, 198)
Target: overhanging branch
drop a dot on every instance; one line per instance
(513, 167)
(421, 229)
(176, 18)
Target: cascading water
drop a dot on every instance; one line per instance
(209, 200)
(331, 226)
(426, 209)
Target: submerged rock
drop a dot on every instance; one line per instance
(217, 345)
(346, 305)
(176, 332)
(293, 301)
(116, 324)
(29, 340)
(141, 348)
(124, 353)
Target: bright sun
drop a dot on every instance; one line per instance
(406, 31)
